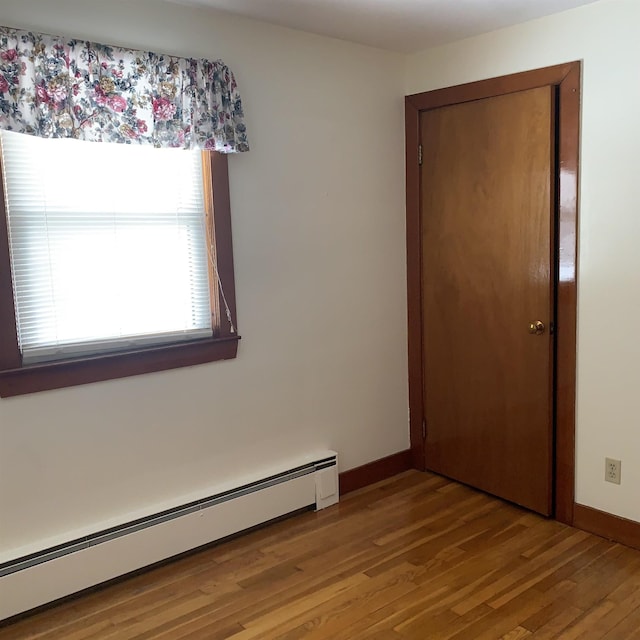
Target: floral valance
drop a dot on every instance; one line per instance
(56, 87)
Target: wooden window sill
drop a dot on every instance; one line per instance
(68, 373)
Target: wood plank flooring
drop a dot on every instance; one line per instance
(414, 557)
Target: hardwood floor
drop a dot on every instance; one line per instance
(413, 557)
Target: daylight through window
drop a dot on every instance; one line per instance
(107, 243)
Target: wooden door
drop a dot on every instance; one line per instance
(487, 214)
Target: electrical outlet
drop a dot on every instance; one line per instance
(612, 470)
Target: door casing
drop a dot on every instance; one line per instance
(566, 78)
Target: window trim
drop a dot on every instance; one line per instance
(16, 379)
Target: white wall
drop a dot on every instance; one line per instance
(318, 223)
(606, 36)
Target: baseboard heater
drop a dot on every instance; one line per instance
(32, 580)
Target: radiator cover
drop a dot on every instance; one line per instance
(38, 578)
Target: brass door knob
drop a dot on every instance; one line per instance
(537, 328)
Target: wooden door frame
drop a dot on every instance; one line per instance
(566, 78)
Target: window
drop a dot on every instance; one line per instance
(114, 261)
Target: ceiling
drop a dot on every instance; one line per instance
(398, 25)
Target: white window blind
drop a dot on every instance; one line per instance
(108, 247)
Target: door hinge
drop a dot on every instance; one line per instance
(424, 429)
(420, 155)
